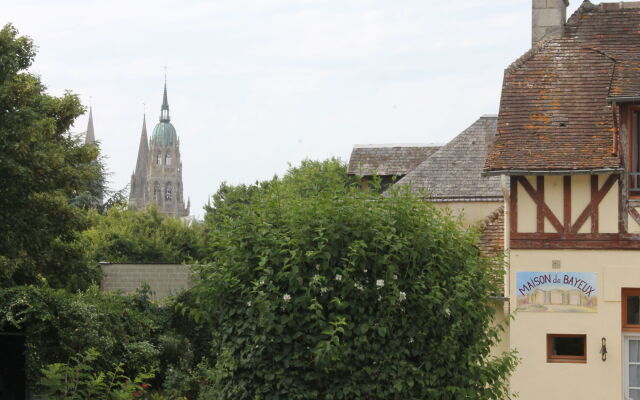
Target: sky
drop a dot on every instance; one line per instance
(257, 85)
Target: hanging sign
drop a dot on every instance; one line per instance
(557, 291)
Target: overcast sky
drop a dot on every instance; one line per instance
(257, 84)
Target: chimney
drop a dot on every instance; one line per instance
(548, 18)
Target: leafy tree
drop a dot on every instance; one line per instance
(58, 325)
(41, 168)
(334, 293)
(122, 235)
(307, 179)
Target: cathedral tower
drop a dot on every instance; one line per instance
(157, 178)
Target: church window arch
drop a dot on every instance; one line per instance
(167, 159)
(159, 159)
(168, 192)
(156, 191)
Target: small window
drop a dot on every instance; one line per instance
(167, 159)
(566, 348)
(159, 159)
(631, 310)
(168, 193)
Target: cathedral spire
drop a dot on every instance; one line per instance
(164, 110)
(90, 137)
(139, 177)
(143, 150)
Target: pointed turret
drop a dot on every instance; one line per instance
(90, 138)
(139, 176)
(164, 110)
(143, 150)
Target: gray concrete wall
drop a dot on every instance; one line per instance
(165, 279)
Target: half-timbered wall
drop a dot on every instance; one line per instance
(565, 212)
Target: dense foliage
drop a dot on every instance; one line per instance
(79, 380)
(58, 325)
(317, 290)
(127, 236)
(42, 167)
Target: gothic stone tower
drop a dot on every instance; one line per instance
(157, 178)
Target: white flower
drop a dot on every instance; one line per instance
(447, 311)
(365, 270)
(379, 298)
(380, 283)
(323, 290)
(403, 296)
(286, 297)
(248, 304)
(338, 277)
(395, 277)
(358, 286)
(317, 267)
(410, 340)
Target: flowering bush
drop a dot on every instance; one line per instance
(339, 294)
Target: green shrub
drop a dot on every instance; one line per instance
(337, 294)
(122, 235)
(79, 380)
(58, 325)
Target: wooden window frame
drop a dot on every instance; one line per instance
(631, 141)
(624, 294)
(551, 358)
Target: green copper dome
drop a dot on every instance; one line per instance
(164, 134)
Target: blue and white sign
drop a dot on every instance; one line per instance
(557, 291)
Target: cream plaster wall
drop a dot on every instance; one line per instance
(554, 198)
(633, 226)
(597, 380)
(580, 198)
(608, 210)
(526, 208)
(471, 212)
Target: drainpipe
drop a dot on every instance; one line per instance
(504, 185)
(616, 129)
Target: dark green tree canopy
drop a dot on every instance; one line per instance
(334, 293)
(41, 168)
(131, 236)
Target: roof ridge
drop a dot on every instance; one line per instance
(585, 7)
(388, 145)
(528, 55)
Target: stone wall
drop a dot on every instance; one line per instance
(164, 279)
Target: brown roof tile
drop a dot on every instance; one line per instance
(554, 111)
(491, 241)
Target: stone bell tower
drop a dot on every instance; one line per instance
(157, 178)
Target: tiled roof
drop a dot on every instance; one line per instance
(491, 242)
(391, 159)
(554, 111)
(453, 173)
